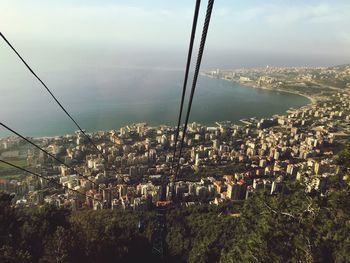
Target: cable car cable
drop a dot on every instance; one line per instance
(47, 179)
(188, 64)
(52, 95)
(195, 78)
(47, 153)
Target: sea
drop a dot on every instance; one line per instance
(106, 98)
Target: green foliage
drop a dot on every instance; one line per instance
(292, 226)
(198, 233)
(9, 255)
(107, 236)
(343, 158)
(18, 162)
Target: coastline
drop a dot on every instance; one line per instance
(312, 100)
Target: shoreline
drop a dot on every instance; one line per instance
(311, 99)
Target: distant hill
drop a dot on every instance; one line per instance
(336, 76)
(340, 67)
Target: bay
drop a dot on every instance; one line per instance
(105, 98)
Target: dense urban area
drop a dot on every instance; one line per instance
(262, 190)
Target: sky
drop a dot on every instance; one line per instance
(156, 32)
(80, 48)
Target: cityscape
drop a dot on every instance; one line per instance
(181, 131)
(222, 163)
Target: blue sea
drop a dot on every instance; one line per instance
(104, 98)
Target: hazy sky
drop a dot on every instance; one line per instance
(84, 49)
(242, 33)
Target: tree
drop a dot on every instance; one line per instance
(61, 247)
(9, 255)
(343, 159)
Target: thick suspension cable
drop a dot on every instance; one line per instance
(188, 64)
(47, 179)
(47, 153)
(52, 95)
(195, 78)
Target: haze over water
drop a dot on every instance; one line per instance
(106, 60)
(107, 98)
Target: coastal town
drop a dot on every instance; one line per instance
(224, 162)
